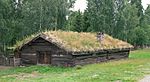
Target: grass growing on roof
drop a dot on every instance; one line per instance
(74, 41)
(25, 40)
(129, 70)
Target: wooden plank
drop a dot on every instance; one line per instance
(29, 59)
(61, 59)
(118, 55)
(62, 56)
(40, 44)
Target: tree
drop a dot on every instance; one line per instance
(146, 23)
(139, 6)
(126, 21)
(6, 21)
(101, 15)
(147, 16)
(86, 22)
(19, 18)
(141, 37)
(46, 14)
(75, 22)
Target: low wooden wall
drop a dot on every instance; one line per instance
(62, 60)
(70, 60)
(9, 61)
(83, 60)
(1, 61)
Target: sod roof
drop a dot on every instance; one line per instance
(77, 42)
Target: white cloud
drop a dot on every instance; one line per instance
(80, 5)
(145, 3)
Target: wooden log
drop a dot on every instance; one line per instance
(61, 59)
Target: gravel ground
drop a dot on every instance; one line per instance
(145, 79)
(4, 67)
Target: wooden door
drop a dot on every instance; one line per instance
(44, 58)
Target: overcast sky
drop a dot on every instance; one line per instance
(81, 4)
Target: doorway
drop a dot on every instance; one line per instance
(43, 58)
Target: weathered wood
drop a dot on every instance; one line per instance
(100, 51)
(29, 59)
(96, 59)
(1, 60)
(63, 63)
(29, 52)
(61, 58)
(16, 61)
(92, 56)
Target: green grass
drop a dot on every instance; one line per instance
(142, 53)
(128, 70)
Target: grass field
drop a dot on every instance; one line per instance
(128, 70)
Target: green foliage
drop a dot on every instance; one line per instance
(127, 21)
(75, 22)
(78, 67)
(146, 24)
(100, 15)
(147, 16)
(45, 14)
(6, 20)
(139, 6)
(141, 36)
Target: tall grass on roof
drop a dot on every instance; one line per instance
(25, 40)
(74, 41)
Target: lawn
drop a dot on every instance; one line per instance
(128, 70)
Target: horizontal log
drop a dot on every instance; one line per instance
(40, 44)
(61, 59)
(101, 51)
(93, 56)
(64, 56)
(42, 48)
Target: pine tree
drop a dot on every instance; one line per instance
(146, 24)
(75, 22)
(147, 16)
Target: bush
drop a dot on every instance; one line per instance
(78, 67)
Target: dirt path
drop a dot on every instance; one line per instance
(4, 67)
(145, 79)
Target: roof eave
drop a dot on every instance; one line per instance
(100, 51)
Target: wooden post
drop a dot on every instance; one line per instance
(14, 61)
(37, 56)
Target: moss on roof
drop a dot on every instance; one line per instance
(74, 41)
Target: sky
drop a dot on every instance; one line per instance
(81, 4)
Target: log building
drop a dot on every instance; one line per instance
(60, 48)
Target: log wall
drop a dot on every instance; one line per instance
(29, 53)
(100, 57)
